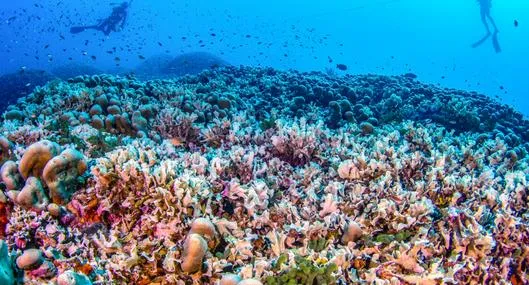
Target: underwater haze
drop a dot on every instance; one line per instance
(264, 142)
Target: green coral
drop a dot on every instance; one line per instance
(102, 143)
(63, 130)
(318, 244)
(304, 272)
(268, 123)
(388, 238)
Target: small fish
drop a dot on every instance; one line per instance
(93, 57)
(141, 56)
(28, 84)
(160, 44)
(117, 59)
(341, 66)
(516, 23)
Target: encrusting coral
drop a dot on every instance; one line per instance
(253, 175)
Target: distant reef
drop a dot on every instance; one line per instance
(74, 69)
(19, 84)
(164, 66)
(153, 66)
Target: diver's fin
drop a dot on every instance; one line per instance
(496, 43)
(481, 41)
(76, 30)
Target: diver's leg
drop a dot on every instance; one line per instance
(484, 15)
(492, 22)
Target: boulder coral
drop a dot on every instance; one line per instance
(33, 196)
(61, 175)
(195, 248)
(36, 156)
(30, 259)
(10, 176)
(204, 227)
(6, 150)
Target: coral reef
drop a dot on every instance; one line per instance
(245, 175)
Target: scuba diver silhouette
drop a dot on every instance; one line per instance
(113, 23)
(485, 6)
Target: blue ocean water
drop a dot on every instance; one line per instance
(429, 38)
